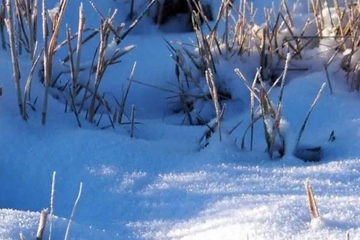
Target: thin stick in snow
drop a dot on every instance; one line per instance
(42, 223)
(313, 209)
(308, 115)
(73, 212)
(52, 194)
(132, 121)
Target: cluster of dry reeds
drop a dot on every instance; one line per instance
(84, 95)
(21, 28)
(276, 44)
(209, 49)
(20, 18)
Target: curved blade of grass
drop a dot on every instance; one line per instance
(308, 115)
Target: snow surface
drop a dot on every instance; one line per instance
(162, 184)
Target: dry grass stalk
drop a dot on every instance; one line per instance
(125, 96)
(227, 6)
(101, 65)
(49, 46)
(315, 7)
(203, 45)
(349, 30)
(271, 117)
(313, 209)
(88, 38)
(253, 95)
(209, 50)
(27, 89)
(14, 54)
(27, 14)
(182, 93)
(252, 107)
(106, 28)
(132, 124)
(288, 14)
(135, 22)
(214, 95)
(328, 79)
(42, 224)
(72, 91)
(52, 198)
(308, 115)
(80, 31)
(2, 24)
(73, 212)
(268, 115)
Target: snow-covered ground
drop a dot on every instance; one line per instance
(162, 184)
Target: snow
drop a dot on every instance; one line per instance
(163, 183)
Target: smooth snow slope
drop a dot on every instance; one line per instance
(161, 184)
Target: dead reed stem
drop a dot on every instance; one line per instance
(42, 224)
(100, 68)
(27, 14)
(80, 31)
(125, 96)
(46, 61)
(14, 53)
(214, 94)
(313, 209)
(49, 48)
(29, 81)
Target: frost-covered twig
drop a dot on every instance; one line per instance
(14, 54)
(52, 197)
(73, 212)
(308, 115)
(49, 47)
(100, 68)
(29, 81)
(214, 95)
(78, 48)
